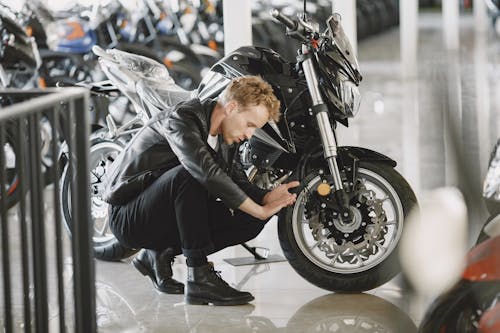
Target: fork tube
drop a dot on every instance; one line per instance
(326, 132)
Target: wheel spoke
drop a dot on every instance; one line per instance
(380, 247)
(334, 259)
(315, 245)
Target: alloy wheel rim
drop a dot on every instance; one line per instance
(315, 241)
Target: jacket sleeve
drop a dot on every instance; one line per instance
(195, 155)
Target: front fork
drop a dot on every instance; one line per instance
(327, 134)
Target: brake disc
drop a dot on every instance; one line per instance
(355, 241)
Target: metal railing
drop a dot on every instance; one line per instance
(33, 128)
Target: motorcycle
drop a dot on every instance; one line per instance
(342, 234)
(493, 7)
(19, 63)
(472, 304)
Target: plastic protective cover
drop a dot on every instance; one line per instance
(143, 79)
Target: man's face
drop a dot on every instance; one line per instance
(241, 122)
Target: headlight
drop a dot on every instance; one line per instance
(350, 98)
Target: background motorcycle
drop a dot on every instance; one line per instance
(134, 76)
(472, 304)
(19, 63)
(494, 12)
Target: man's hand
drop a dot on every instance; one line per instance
(273, 202)
(280, 192)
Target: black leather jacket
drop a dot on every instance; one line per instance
(180, 136)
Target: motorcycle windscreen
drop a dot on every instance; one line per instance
(337, 34)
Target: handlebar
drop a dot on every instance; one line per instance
(297, 29)
(288, 22)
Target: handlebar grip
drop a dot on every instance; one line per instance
(288, 22)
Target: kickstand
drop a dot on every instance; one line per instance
(253, 250)
(260, 256)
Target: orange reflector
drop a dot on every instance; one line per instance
(323, 189)
(168, 62)
(42, 83)
(212, 44)
(13, 187)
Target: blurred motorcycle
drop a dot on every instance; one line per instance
(472, 304)
(19, 64)
(494, 12)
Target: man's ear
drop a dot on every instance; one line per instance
(231, 107)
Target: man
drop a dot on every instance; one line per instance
(163, 189)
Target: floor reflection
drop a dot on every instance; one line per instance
(328, 313)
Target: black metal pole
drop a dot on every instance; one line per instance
(54, 120)
(21, 159)
(37, 224)
(83, 263)
(5, 235)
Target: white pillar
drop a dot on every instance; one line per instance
(450, 24)
(347, 9)
(483, 102)
(480, 15)
(410, 134)
(237, 24)
(408, 36)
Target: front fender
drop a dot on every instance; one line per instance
(348, 157)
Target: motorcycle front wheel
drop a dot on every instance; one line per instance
(355, 256)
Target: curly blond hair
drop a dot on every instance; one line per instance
(252, 90)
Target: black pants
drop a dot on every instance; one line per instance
(177, 211)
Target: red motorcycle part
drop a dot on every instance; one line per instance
(490, 321)
(483, 262)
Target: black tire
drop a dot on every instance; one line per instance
(106, 246)
(460, 309)
(337, 279)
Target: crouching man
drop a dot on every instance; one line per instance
(163, 189)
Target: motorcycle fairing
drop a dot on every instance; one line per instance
(264, 62)
(341, 50)
(347, 157)
(483, 261)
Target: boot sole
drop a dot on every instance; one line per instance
(193, 300)
(146, 272)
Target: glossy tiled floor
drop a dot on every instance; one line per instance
(411, 120)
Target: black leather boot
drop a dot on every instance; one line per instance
(158, 266)
(204, 286)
